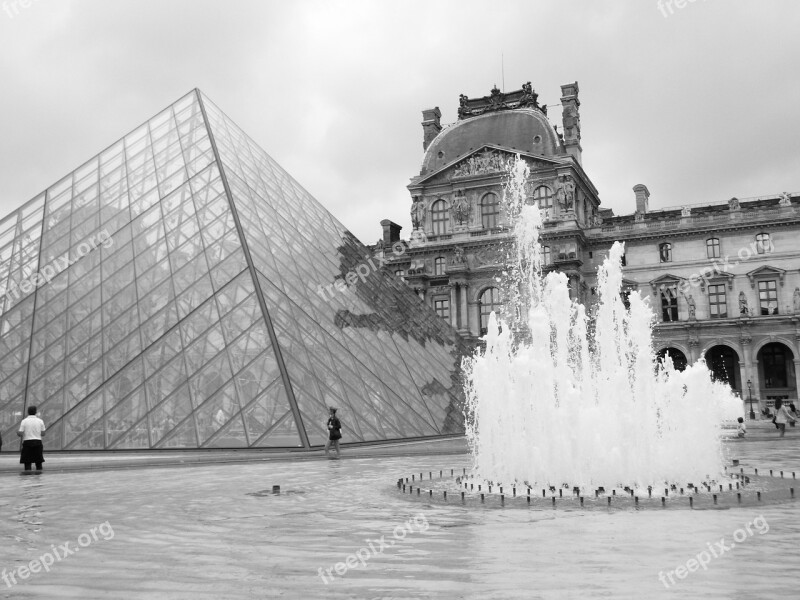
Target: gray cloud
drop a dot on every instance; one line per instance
(699, 106)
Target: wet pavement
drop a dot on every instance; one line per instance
(116, 526)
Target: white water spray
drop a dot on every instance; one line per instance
(548, 404)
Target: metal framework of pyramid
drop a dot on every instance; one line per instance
(166, 295)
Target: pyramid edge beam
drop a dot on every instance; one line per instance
(301, 428)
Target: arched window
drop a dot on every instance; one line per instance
(489, 302)
(440, 217)
(763, 243)
(665, 252)
(546, 256)
(489, 211)
(773, 358)
(678, 358)
(438, 266)
(543, 196)
(712, 247)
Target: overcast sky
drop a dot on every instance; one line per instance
(699, 105)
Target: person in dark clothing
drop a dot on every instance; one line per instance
(334, 432)
(31, 430)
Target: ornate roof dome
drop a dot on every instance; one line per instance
(523, 129)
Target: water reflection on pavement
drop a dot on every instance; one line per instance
(218, 531)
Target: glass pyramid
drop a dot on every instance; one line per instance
(167, 294)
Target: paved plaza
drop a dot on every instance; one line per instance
(213, 529)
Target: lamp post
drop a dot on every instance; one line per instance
(750, 392)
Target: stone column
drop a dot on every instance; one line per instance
(745, 391)
(693, 354)
(797, 378)
(476, 320)
(751, 373)
(453, 307)
(464, 315)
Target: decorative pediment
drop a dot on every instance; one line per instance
(766, 271)
(492, 160)
(717, 276)
(487, 160)
(629, 284)
(667, 280)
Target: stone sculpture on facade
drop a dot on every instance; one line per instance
(786, 199)
(565, 193)
(461, 209)
(479, 164)
(733, 204)
(418, 212)
(743, 310)
(797, 301)
(458, 257)
(686, 211)
(690, 303)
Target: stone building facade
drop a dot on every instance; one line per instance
(722, 278)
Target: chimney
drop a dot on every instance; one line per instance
(642, 195)
(571, 120)
(430, 125)
(391, 232)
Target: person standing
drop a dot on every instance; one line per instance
(31, 430)
(334, 432)
(782, 417)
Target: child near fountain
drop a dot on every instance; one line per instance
(782, 417)
(741, 430)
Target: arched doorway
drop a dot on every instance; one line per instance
(723, 362)
(678, 358)
(776, 373)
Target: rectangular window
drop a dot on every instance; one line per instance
(442, 308)
(768, 297)
(669, 304)
(712, 248)
(717, 301)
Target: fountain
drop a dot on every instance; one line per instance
(558, 398)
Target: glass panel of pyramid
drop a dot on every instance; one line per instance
(181, 290)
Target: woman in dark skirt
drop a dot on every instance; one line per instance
(31, 431)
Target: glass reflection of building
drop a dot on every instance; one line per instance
(181, 307)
